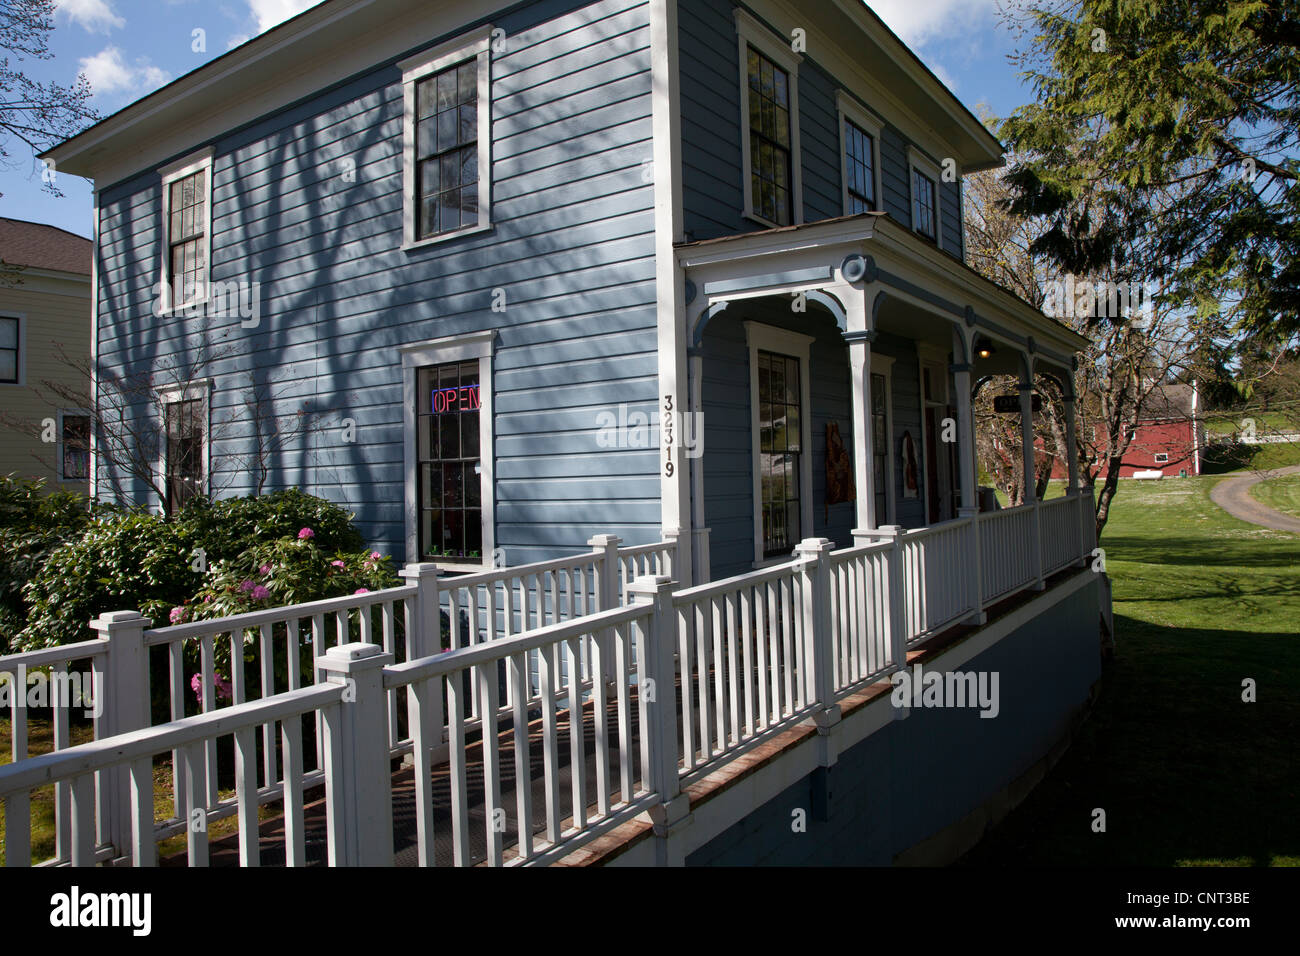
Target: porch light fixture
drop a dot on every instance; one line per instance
(984, 348)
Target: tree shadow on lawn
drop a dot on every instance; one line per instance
(1250, 551)
(1186, 772)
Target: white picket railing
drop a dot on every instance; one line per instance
(740, 666)
(737, 661)
(1006, 551)
(861, 648)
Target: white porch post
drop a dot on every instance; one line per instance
(1071, 446)
(698, 544)
(864, 482)
(1027, 453)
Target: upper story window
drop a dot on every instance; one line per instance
(186, 230)
(924, 180)
(10, 349)
(447, 134)
(769, 103)
(860, 157)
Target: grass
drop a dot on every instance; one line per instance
(1265, 422)
(1281, 494)
(1188, 773)
(40, 739)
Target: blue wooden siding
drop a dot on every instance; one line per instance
(571, 246)
(728, 441)
(906, 406)
(712, 191)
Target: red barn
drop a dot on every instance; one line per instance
(1168, 437)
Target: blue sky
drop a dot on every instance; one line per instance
(128, 48)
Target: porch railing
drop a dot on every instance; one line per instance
(735, 661)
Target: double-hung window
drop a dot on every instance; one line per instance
(779, 401)
(769, 101)
(185, 443)
(186, 231)
(924, 180)
(448, 132)
(860, 157)
(11, 335)
(74, 446)
(449, 483)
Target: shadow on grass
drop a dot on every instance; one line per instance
(1246, 552)
(1186, 772)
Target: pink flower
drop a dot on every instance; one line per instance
(306, 533)
(207, 599)
(338, 564)
(361, 591)
(375, 555)
(177, 615)
(223, 688)
(260, 593)
(264, 569)
(246, 586)
(196, 685)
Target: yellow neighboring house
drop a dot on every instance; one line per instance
(45, 309)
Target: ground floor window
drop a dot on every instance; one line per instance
(185, 452)
(779, 402)
(74, 447)
(450, 477)
(447, 387)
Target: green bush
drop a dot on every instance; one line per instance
(32, 524)
(139, 560)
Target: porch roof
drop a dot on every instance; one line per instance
(896, 257)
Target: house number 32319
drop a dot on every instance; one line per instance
(668, 417)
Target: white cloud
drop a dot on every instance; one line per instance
(944, 76)
(918, 21)
(236, 40)
(110, 75)
(94, 16)
(269, 13)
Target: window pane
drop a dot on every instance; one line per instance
(8, 333)
(8, 365)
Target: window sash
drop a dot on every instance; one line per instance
(771, 139)
(76, 447)
(859, 147)
(10, 345)
(446, 150)
(780, 420)
(924, 209)
(448, 461)
(185, 434)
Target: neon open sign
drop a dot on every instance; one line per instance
(463, 399)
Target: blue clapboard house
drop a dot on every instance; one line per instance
(500, 277)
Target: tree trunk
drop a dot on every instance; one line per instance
(1108, 489)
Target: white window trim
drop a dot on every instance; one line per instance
(769, 338)
(884, 365)
(21, 362)
(202, 160)
(916, 162)
(198, 390)
(848, 109)
(475, 45)
(752, 33)
(456, 348)
(62, 413)
(1156, 456)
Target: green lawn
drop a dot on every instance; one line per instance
(1187, 773)
(1282, 494)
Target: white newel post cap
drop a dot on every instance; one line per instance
(814, 546)
(111, 621)
(648, 585)
(605, 540)
(419, 569)
(350, 658)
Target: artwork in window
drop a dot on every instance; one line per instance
(911, 470)
(859, 156)
(8, 349)
(449, 478)
(771, 191)
(185, 434)
(446, 150)
(923, 204)
(780, 427)
(76, 447)
(839, 469)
